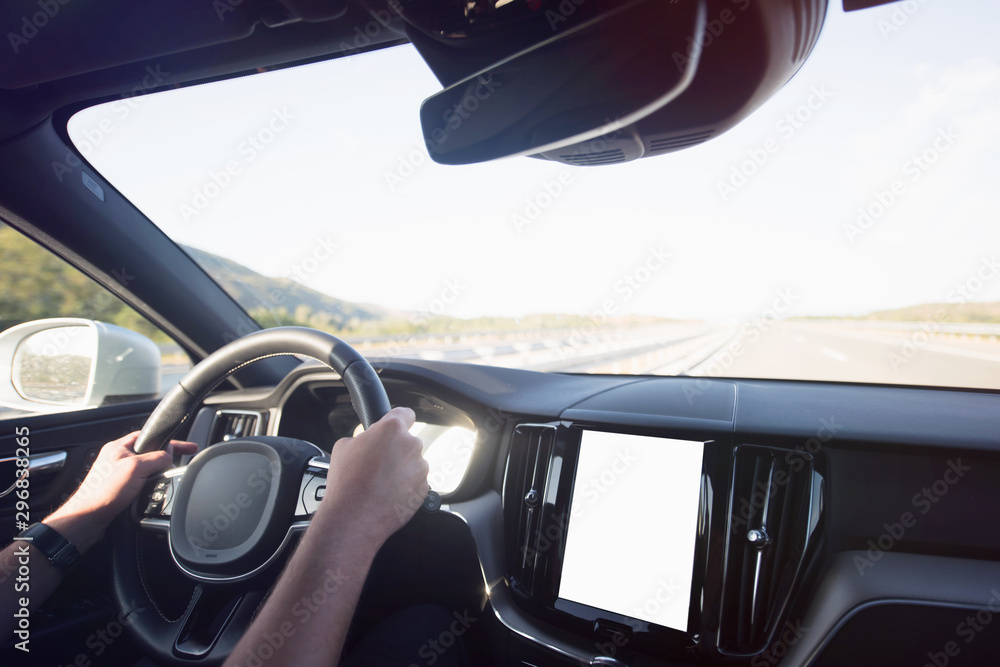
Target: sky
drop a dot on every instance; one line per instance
(329, 183)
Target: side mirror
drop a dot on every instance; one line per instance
(60, 364)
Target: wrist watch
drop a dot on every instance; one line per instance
(60, 551)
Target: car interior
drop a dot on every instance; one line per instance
(582, 511)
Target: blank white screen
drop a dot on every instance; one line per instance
(632, 527)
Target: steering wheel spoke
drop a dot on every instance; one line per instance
(233, 513)
(215, 620)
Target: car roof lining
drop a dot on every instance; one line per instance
(44, 76)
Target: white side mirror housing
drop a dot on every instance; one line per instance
(65, 363)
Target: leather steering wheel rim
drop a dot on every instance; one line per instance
(153, 631)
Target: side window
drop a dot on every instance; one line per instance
(66, 343)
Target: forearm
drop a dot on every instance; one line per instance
(27, 575)
(312, 603)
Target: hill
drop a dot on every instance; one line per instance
(279, 301)
(954, 313)
(37, 284)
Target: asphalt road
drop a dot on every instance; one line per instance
(838, 352)
(803, 351)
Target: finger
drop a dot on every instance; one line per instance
(404, 415)
(126, 441)
(182, 447)
(151, 463)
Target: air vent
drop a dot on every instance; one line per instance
(525, 502)
(589, 159)
(808, 16)
(233, 424)
(774, 509)
(676, 142)
(621, 146)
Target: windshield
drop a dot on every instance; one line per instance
(846, 231)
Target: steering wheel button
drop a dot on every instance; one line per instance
(313, 490)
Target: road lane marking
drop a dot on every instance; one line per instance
(896, 342)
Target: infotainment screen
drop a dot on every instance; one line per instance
(630, 538)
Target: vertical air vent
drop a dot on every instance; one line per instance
(774, 509)
(525, 502)
(233, 424)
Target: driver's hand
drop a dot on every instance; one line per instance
(380, 476)
(114, 480)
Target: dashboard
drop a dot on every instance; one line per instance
(659, 521)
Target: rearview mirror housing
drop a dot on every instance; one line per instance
(606, 83)
(583, 83)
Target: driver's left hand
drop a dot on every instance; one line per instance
(114, 480)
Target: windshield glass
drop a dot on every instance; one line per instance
(846, 231)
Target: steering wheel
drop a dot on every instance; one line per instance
(233, 512)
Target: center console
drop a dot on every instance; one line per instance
(631, 539)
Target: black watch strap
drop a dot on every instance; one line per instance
(56, 548)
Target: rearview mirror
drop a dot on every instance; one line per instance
(593, 80)
(59, 364)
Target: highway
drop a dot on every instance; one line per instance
(880, 353)
(846, 353)
(839, 351)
